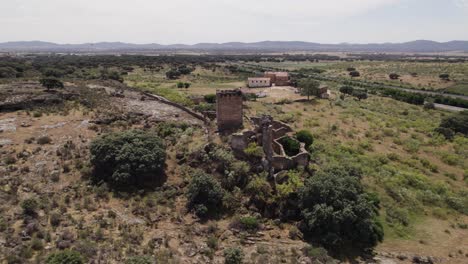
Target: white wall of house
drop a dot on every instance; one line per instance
(259, 82)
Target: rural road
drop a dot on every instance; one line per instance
(449, 108)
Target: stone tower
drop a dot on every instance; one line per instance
(229, 114)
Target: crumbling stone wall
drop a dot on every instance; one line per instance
(267, 134)
(229, 109)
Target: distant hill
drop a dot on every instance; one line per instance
(272, 46)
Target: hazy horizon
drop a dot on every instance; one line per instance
(220, 21)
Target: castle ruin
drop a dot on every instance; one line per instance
(229, 110)
(268, 133)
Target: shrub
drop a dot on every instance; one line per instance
(44, 140)
(9, 160)
(205, 194)
(140, 260)
(212, 242)
(305, 137)
(51, 83)
(65, 257)
(291, 146)
(128, 159)
(338, 214)
(210, 98)
(346, 90)
(360, 95)
(55, 219)
(429, 106)
(249, 223)
(397, 216)
(36, 244)
(233, 256)
(394, 76)
(29, 206)
(253, 150)
(318, 254)
(354, 74)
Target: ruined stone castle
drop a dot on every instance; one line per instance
(229, 110)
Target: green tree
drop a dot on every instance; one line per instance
(445, 76)
(65, 257)
(338, 214)
(394, 76)
(205, 195)
(305, 137)
(128, 159)
(347, 90)
(457, 123)
(354, 74)
(51, 83)
(360, 95)
(309, 87)
(53, 73)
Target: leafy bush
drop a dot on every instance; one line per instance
(55, 219)
(128, 159)
(305, 137)
(253, 150)
(65, 257)
(205, 195)
(29, 206)
(354, 74)
(233, 256)
(249, 223)
(346, 90)
(290, 145)
(338, 214)
(210, 98)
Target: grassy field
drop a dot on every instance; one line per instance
(419, 177)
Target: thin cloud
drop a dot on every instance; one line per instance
(189, 21)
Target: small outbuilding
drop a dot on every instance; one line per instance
(259, 82)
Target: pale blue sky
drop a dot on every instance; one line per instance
(193, 21)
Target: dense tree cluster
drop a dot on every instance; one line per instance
(412, 98)
(337, 213)
(457, 123)
(128, 159)
(205, 195)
